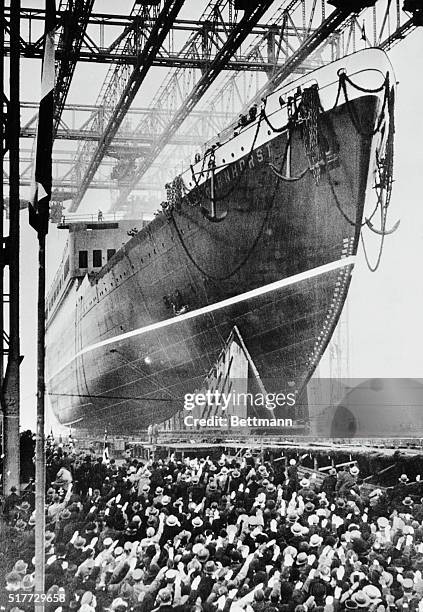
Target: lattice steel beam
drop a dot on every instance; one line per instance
(124, 84)
(76, 118)
(137, 144)
(63, 160)
(197, 87)
(119, 28)
(62, 183)
(386, 24)
(75, 17)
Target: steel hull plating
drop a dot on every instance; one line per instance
(119, 357)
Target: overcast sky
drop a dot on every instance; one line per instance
(384, 308)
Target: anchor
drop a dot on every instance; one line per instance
(212, 215)
(383, 232)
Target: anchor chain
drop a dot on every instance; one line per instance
(309, 111)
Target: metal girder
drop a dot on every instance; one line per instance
(138, 144)
(151, 43)
(311, 44)
(276, 42)
(92, 108)
(398, 35)
(386, 24)
(119, 28)
(74, 23)
(63, 161)
(76, 118)
(62, 183)
(339, 31)
(225, 50)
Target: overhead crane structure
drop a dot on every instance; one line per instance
(295, 30)
(195, 102)
(93, 50)
(75, 17)
(62, 174)
(323, 34)
(122, 84)
(235, 36)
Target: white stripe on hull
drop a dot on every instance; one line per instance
(236, 299)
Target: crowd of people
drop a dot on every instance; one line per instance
(213, 534)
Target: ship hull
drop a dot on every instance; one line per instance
(125, 349)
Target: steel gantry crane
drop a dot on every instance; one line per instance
(194, 102)
(149, 42)
(302, 35)
(75, 16)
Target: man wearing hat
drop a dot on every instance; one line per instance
(119, 605)
(305, 488)
(10, 504)
(409, 599)
(400, 489)
(292, 478)
(197, 527)
(171, 528)
(235, 480)
(329, 484)
(296, 535)
(196, 490)
(346, 480)
(158, 496)
(13, 585)
(163, 601)
(75, 552)
(207, 580)
(20, 567)
(362, 600)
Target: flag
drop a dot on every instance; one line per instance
(106, 456)
(42, 176)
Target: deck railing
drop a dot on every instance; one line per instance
(92, 218)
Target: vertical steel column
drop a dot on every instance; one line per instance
(11, 382)
(2, 262)
(40, 440)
